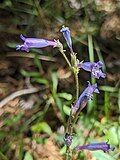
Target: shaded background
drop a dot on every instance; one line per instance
(31, 126)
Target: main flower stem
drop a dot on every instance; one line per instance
(69, 130)
(71, 120)
(77, 85)
(68, 152)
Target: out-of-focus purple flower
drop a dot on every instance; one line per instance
(66, 33)
(86, 95)
(34, 43)
(104, 146)
(68, 139)
(94, 68)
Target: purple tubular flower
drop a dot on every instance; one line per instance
(66, 33)
(104, 146)
(34, 43)
(86, 95)
(94, 68)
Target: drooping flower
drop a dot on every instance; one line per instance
(66, 33)
(104, 146)
(34, 43)
(94, 68)
(86, 95)
(68, 139)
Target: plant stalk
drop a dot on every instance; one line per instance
(77, 85)
(66, 59)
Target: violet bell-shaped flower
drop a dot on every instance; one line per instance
(86, 95)
(34, 43)
(66, 33)
(104, 146)
(94, 68)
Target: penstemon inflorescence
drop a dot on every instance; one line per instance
(81, 100)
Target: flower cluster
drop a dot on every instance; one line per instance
(76, 65)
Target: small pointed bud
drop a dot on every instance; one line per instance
(66, 33)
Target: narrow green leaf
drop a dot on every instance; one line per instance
(29, 2)
(119, 100)
(91, 104)
(59, 104)
(99, 55)
(40, 80)
(108, 89)
(13, 120)
(113, 135)
(106, 104)
(91, 53)
(2, 156)
(65, 95)
(66, 110)
(28, 156)
(37, 62)
(42, 127)
(99, 155)
(54, 81)
(30, 74)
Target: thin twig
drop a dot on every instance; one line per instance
(17, 94)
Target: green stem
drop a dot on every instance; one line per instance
(3, 156)
(68, 152)
(60, 47)
(66, 58)
(69, 130)
(77, 85)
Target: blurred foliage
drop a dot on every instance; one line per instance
(31, 126)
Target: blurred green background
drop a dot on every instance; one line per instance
(32, 125)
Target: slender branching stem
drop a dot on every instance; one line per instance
(60, 47)
(68, 62)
